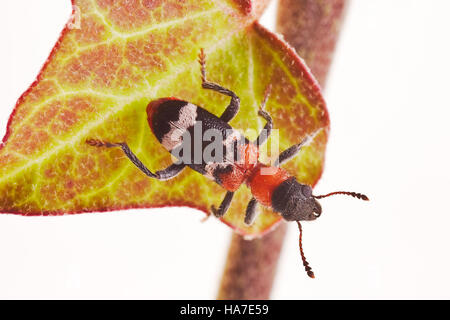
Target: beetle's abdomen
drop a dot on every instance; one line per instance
(199, 139)
(169, 118)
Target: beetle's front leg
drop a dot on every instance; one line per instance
(233, 108)
(267, 130)
(291, 152)
(224, 206)
(170, 172)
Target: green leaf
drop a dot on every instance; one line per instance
(99, 80)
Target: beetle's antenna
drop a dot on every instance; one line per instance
(353, 194)
(308, 269)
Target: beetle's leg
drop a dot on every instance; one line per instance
(224, 206)
(250, 213)
(265, 133)
(288, 154)
(233, 108)
(170, 172)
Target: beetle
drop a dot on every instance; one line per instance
(172, 120)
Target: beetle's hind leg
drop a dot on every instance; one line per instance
(224, 206)
(267, 130)
(170, 172)
(233, 108)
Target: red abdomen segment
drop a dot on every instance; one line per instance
(264, 181)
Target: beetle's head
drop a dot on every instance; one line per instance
(295, 202)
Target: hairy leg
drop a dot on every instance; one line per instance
(224, 206)
(233, 108)
(170, 172)
(290, 153)
(250, 213)
(266, 131)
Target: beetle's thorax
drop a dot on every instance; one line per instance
(242, 169)
(264, 180)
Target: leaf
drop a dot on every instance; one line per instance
(98, 82)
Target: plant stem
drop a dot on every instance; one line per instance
(312, 28)
(251, 266)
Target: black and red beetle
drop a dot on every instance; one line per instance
(171, 120)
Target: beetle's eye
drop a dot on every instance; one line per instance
(307, 191)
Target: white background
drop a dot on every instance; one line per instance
(388, 101)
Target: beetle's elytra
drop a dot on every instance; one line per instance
(172, 120)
